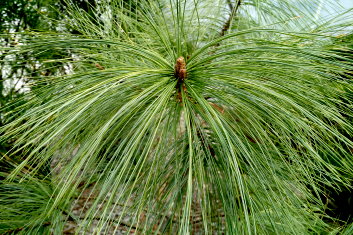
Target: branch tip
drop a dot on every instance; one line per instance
(180, 69)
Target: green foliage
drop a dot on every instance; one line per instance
(23, 208)
(17, 17)
(245, 144)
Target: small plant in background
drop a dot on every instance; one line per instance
(179, 117)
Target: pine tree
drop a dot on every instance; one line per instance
(180, 117)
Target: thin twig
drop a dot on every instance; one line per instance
(231, 16)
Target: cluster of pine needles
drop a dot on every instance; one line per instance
(183, 117)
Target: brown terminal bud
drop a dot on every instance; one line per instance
(180, 69)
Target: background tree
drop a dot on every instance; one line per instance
(183, 117)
